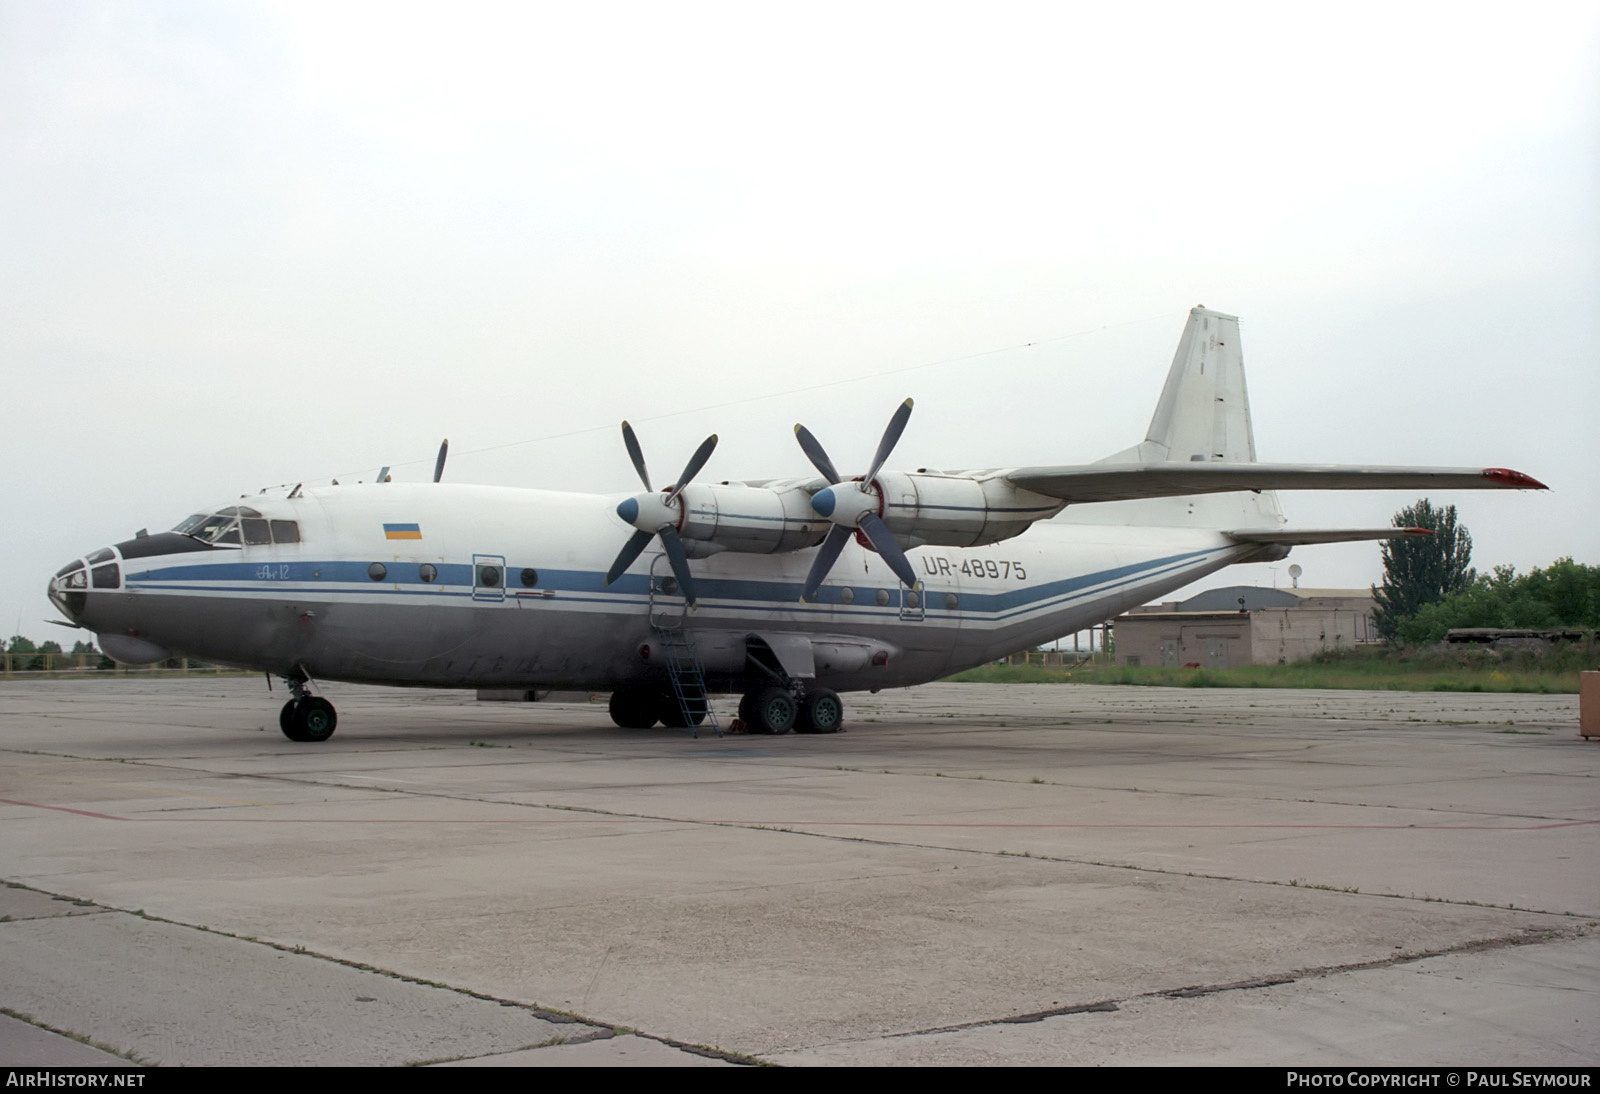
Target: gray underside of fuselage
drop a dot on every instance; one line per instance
(475, 647)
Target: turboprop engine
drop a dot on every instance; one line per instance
(713, 517)
(893, 510)
(926, 508)
(887, 510)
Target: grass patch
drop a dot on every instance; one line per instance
(1366, 669)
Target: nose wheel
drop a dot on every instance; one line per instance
(307, 717)
(310, 719)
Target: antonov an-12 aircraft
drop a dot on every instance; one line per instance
(785, 591)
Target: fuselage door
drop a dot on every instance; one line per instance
(911, 608)
(667, 605)
(488, 577)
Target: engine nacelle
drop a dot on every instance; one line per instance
(750, 519)
(957, 511)
(918, 509)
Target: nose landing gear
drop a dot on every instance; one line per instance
(306, 717)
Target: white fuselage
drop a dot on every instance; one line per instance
(517, 595)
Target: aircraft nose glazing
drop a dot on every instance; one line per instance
(68, 589)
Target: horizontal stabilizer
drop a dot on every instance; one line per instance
(1078, 485)
(1291, 537)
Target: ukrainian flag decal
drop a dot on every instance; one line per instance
(402, 531)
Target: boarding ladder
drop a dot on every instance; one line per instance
(687, 676)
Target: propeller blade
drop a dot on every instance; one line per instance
(630, 551)
(680, 561)
(827, 555)
(891, 437)
(692, 468)
(814, 453)
(884, 544)
(438, 465)
(636, 454)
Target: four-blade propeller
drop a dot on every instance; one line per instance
(853, 506)
(658, 514)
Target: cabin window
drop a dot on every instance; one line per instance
(950, 601)
(847, 595)
(428, 572)
(530, 576)
(489, 577)
(883, 598)
(377, 571)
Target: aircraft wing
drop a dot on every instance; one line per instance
(1296, 537)
(1081, 484)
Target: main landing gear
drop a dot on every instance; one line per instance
(306, 717)
(776, 708)
(770, 708)
(638, 708)
(642, 709)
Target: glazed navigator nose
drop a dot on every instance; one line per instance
(69, 588)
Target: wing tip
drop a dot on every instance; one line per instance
(1516, 480)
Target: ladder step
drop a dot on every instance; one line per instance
(687, 678)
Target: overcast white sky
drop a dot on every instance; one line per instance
(244, 244)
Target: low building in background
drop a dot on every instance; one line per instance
(1245, 625)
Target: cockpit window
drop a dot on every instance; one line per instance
(210, 529)
(239, 524)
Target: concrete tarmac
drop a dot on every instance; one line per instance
(973, 874)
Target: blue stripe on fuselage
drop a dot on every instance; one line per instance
(301, 578)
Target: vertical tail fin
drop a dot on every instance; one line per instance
(1204, 412)
(1203, 415)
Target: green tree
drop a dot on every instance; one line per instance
(20, 648)
(1418, 570)
(1566, 594)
